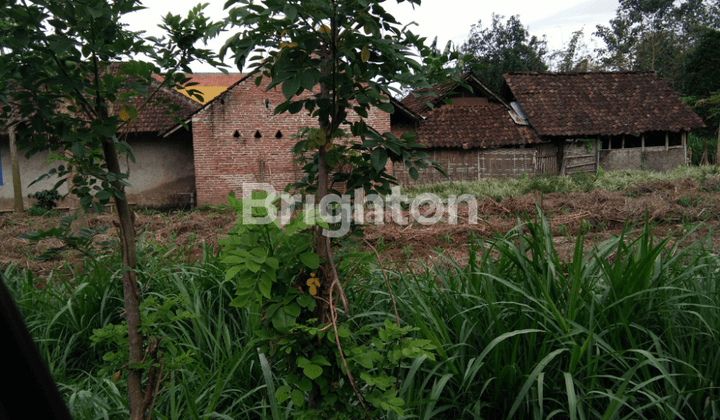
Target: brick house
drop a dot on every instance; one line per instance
(237, 139)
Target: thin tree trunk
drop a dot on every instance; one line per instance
(130, 291)
(15, 170)
(128, 253)
(717, 152)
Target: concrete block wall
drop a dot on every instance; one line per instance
(228, 153)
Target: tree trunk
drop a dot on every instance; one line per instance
(717, 152)
(15, 170)
(130, 291)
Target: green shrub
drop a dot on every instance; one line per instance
(46, 200)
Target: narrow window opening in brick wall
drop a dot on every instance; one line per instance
(257, 134)
(278, 135)
(236, 134)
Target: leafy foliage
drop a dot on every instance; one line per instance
(64, 88)
(650, 35)
(274, 270)
(73, 63)
(503, 48)
(46, 199)
(639, 329)
(83, 240)
(336, 61)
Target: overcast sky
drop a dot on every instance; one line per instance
(449, 20)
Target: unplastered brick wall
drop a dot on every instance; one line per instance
(237, 140)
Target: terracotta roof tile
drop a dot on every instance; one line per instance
(152, 118)
(416, 104)
(466, 127)
(155, 118)
(600, 103)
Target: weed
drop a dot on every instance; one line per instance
(407, 251)
(563, 230)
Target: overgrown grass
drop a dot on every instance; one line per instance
(222, 381)
(499, 189)
(698, 146)
(628, 329)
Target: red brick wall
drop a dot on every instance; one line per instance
(224, 162)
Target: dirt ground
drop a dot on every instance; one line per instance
(673, 207)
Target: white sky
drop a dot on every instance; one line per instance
(446, 19)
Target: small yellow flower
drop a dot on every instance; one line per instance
(313, 284)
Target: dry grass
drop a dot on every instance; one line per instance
(672, 205)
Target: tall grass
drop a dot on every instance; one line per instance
(627, 329)
(499, 189)
(222, 380)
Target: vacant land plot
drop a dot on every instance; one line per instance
(675, 204)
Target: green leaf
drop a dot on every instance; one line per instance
(282, 321)
(298, 398)
(292, 309)
(414, 173)
(365, 360)
(305, 300)
(95, 13)
(379, 158)
(310, 259)
(290, 87)
(313, 371)
(387, 107)
(273, 262)
(320, 360)
(232, 271)
(241, 301)
(295, 107)
(265, 286)
(103, 196)
(282, 393)
(252, 266)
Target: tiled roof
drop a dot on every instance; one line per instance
(466, 127)
(154, 118)
(416, 104)
(599, 103)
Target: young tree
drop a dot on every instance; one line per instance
(331, 59)
(503, 48)
(62, 76)
(346, 56)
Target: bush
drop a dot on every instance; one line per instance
(46, 200)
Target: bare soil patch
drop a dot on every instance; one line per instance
(673, 207)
